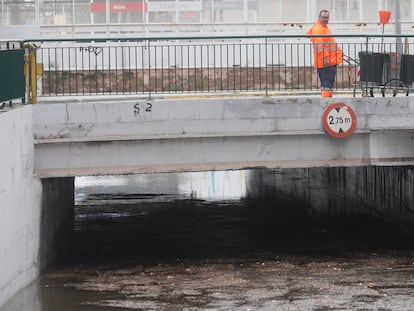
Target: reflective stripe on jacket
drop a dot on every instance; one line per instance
(326, 51)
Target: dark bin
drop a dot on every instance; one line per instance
(373, 67)
(12, 77)
(407, 69)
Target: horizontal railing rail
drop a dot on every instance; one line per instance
(214, 64)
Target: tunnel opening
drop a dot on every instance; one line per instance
(156, 217)
(253, 240)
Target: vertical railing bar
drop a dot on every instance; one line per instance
(83, 71)
(221, 67)
(260, 67)
(44, 74)
(273, 66)
(103, 69)
(208, 68)
(96, 68)
(254, 67)
(297, 47)
(169, 68)
(266, 86)
(69, 71)
(155, 90)
(129, 70)
(96, 72)
(40, 58)
(240, 65)
(234, 66)
(143, 66)
(286, 68)
(122, 68)
(116, 70)
(188, 69)
(182, 67)
(89, 72)
(201, 69)
(247, 66)
(175, 68)
(49, 71)
(63, 72)
(75, 61)
(57, 72)
(280, 69)
(149, 69)
(136, 68)
(195, 67)
(109, 70)
(214, 67)
(304, 67)
(162, 66)
(315, 75)
(292, 69)
(227, 67)
(339, 75)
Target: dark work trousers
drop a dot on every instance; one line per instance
(327, 77)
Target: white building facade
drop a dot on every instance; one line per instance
(63, 17)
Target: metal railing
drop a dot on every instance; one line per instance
(218, 64)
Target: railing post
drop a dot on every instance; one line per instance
(149, 69)
(267, 91)
(32, 71)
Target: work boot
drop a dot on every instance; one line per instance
(326, 93)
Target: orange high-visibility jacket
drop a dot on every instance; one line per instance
(326, 51)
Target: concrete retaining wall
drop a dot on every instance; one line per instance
(382, 192)
(20, 201)
(57, 218)
(32, 212)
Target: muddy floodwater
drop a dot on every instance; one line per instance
(162, 250)
(356, 281)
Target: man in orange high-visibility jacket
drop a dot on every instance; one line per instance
(326, 53)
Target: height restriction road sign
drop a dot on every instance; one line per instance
(339, 120)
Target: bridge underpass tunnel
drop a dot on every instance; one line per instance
(217, 240)
(235, 212)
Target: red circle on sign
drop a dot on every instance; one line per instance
(339, 120)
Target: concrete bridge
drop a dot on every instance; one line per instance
(121, 136)
(44, 146)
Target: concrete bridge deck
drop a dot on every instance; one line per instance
(71, 137)
(88, 136)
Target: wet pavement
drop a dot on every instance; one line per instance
(163, 249)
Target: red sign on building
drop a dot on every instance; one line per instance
(100, 7)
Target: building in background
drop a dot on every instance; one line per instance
(68, 17)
